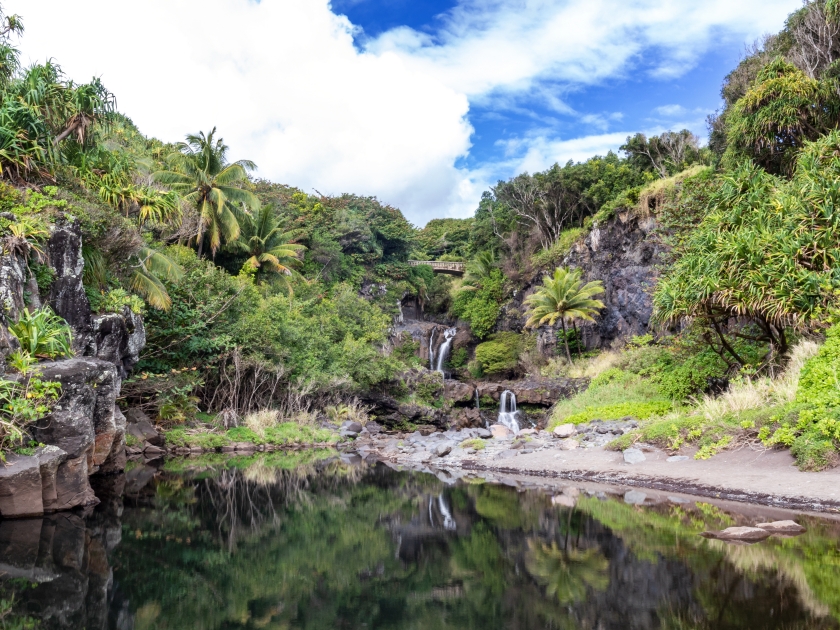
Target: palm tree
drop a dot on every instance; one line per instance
(200, 174)
(269, 247)
(564, 297)
(150, 265)
(479, 270)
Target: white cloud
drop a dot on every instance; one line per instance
(670, 111)
(287, 88)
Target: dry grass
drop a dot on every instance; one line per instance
(261, 420)
(353, 410)
(589, 367)
(747, 394)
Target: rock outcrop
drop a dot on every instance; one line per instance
(85, 432)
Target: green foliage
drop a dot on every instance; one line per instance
(558, 250)
(42, 333)
(481, 307)
(664, 155)
(23, 401)
(500, 354)
(459, 358)
(442, 237)
(114, 301)
(476, 444)
(639, 410)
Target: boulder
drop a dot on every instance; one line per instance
(482, 433)
(459, 392)
(21, 490)
(442, 450)
(739, 534)
(500, 432)
(49, 459)
(351, 426)
(569, 444)
(507, 454)
(564, 431)
(633, 456)
(789, 528)
(117, 338)
(462, 418)
(634, 497)
(141, 427)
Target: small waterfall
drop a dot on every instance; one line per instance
(477, 399)
(507, 411)
(449, 336)
(432, 348)
(400, 317)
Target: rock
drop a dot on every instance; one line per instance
(457, 391)
(527, 432)
(352, 426)
(348, 434)
(482, 433)
(569, 444)
(244, 447)
(152, 450)
(739, 534)
(633, 456)
(373, 428)
(468, 417)
(117, 338)
(49, 459)
(507, 454)
(782, 527)
(442, 450)
(677, 458)
(67, 293)
(564, 431)
(634, 497)
(563, 500)
(500, 432)
(536, 391)
(21, 490)
(142, 429)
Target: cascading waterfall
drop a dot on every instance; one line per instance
(432, 348)
(400, 316)
(449, 336)
(477, 399)
(507, 411)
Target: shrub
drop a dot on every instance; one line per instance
(23, 402)
(500, 354)
(459, 358)
(481, 307)
(640, 410)
(42, 333)
(476, 443)
(261, 420)
(115, 300)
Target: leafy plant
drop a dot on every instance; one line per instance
(23, 402)
(42, 333)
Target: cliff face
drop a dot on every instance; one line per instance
(623, 253)
(85, 433)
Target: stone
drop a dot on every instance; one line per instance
(373, 428)
(351, 426)
(151, 449)
(67, 293)
(739, 534)
(783, 527)
(21, 492)
(563, 500)
(633, 456)
(564, 431)
(140, 426)
(458, 391)
(244, 447)
(634, 497)
(442, 450)
(117, 338)
(677, 458)
(482, 433)
(49, 459)
(348, 434)
(528, 432)
(569, 444)
(507, 454)
(500, 432)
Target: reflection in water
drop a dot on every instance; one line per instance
(303, 541)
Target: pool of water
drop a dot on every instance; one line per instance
(306, 541)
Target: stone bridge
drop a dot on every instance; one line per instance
(452, 268)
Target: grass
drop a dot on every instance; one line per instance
(284, 433)
(476, 443)
(558, 250)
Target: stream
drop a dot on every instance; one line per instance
(312, 540)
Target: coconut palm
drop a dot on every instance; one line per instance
(269, 247)
(479, 270)
(150, 265)
(564, 297)
(200, 173)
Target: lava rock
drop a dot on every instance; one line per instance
(442, 450)
(500, 432)
(20, 487)
(633, 456)
(564, 431)
(569, 444)
(783, 527)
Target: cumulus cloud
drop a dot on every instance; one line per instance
(287, 87)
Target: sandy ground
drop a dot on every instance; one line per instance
(766, 477)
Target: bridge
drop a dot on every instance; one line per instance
(439, 266)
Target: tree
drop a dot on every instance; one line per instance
(564, 297)
(666, 154)
(269, 248)
(479, 270)
(200, 173)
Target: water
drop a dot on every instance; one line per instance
(432, 337)
(449, 337)
(302, 541)
(507, 411)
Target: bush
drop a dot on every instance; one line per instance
(481, 307)
(500, 354)
(114, 301)
(639, 410)
(42, 333)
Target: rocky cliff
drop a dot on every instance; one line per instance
(85, 433)
(623, 253)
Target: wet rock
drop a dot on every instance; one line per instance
(442, 450)
(739, 534)
(500, 432)
(569, 444)
(244, 447)
(564, 431)
(536, 391)
(20, 487)
(633, 456)
(141, 427)
(783, 527)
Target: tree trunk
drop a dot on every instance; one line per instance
(566, 339)
(577, 339)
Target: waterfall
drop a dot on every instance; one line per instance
(448, 521)
(477, 399)
(400, 317)
(507, 411)
(449, 336)
(432, 348)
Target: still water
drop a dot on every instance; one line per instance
(304, 541)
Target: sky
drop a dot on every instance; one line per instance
(424, 104)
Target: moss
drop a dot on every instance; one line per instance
(475, 443)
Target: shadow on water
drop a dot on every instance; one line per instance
(303, 540)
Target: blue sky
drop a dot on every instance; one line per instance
(422, 103)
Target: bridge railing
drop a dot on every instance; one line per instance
(440, 264)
